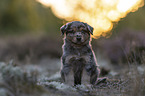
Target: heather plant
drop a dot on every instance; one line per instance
(30, 48)
(17, 81)
(137, 80)
(126, 46)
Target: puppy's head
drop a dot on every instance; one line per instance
(77, 32)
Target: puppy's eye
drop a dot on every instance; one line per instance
(70, 31)
(84, 31)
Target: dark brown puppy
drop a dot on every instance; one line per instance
(77, 52)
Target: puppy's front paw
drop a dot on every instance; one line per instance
(101, 80)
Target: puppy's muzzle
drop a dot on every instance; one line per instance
(78, 36)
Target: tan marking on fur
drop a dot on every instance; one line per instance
(74, 29)
(70, 57)
(81, 29)
(86, 58)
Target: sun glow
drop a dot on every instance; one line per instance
(100, 14)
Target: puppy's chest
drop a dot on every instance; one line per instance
(79, 52)
(78, 55)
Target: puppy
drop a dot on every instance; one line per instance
(77, 52)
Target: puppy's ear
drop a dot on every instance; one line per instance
(90, 28)
(65, 27)
(62, 29)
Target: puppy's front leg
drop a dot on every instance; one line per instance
(64, 72)
(77, 70)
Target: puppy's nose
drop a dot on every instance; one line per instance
(78, 34)
(78, 38)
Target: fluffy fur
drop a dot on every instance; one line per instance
(77, 52)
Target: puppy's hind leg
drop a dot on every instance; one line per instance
(93, 72)
(94, 75)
